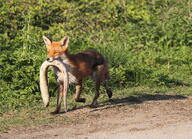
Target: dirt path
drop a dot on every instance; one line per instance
(147, 117)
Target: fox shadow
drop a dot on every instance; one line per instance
(145, 97)
(131, 100)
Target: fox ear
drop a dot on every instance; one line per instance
(46, 40)
(64, 41)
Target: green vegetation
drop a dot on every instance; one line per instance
(147, 43)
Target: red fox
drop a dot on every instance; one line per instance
(88, 63)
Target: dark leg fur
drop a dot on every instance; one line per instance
(109, 93)
(97, 87)
(108, 90)
(78, 93)
(59, 98)
(101, 75)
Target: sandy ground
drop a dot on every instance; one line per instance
(147, 117)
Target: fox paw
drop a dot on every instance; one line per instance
(55, 112)
(109, 93)
(83, 100)
(93, 106)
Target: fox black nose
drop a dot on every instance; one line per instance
(50, 59)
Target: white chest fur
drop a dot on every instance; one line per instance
(59, 77)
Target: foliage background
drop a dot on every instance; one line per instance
(147, 43)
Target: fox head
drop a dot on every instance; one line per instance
(56, 48)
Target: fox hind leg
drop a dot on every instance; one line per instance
(104, 75)
(108, 90)
(97, 83)
(106, 85)
(100, 76)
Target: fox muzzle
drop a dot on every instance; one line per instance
(50, 59)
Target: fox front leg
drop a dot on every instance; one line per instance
(77, 94)
(59, 98)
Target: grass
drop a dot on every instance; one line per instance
(39, 116)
